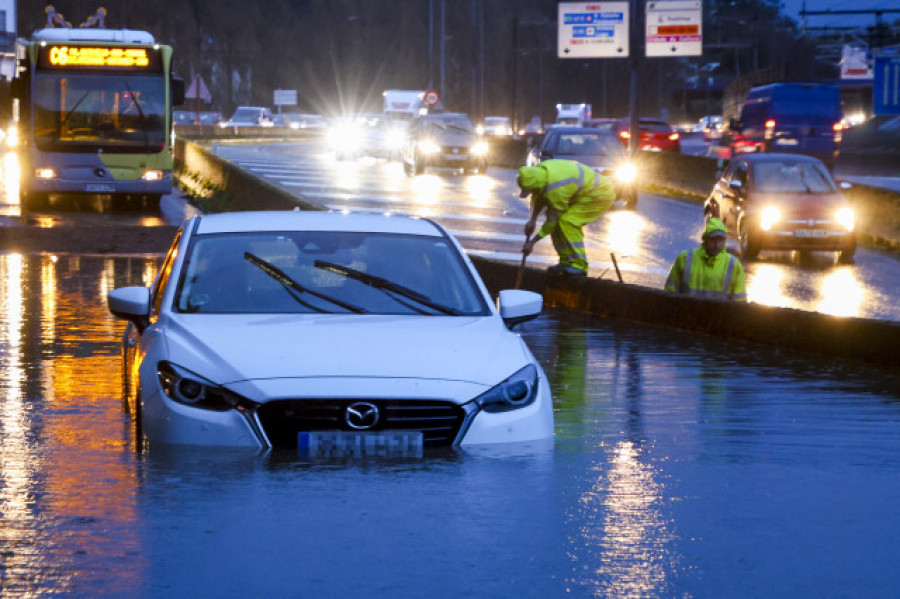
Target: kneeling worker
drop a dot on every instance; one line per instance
(708, 271)
(573, 196)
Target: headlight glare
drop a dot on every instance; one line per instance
(626, 173)
(846, 218)
(45, 173)
(426, 146)
(187, 388)
(517, 391)
(152, 175)
(770, 215)
(480, 149)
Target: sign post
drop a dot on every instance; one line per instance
(593, 30)
(674, 28)
(886, 85)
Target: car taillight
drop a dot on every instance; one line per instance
(770, 129)
(673, 137)
(625, 134)
(838, 127)
(770, 124)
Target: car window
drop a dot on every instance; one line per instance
(586, 144)
(655, 127)
(457, 124)
(792, 177)
(236, 273)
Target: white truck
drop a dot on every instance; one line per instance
(403, 104)
(573, 115)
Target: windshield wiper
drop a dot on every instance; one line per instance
(72, 111)
(292, 285)
(385, 285)
(140, 110)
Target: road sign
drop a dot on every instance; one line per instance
(197, 90)
(593, 30)
(886, 85)
(285, 97)
(431, 97)
(674, 28)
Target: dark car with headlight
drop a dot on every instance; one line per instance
(444, 140)
(783, 202)
(597, 148)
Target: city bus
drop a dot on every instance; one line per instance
(93, 111)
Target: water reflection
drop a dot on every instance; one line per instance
(842, 293)
(61, 429)
(765, 286)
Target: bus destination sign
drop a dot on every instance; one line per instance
(56, 56)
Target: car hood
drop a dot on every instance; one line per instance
(229, 348)
(802, 203)
(453, 139)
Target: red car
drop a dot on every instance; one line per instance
(783, 202)
(656, 135)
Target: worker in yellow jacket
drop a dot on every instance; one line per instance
(573, 195)
(708, 271)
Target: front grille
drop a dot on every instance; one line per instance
(281, 420)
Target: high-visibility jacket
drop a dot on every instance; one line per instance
(575, 189)
(698, 274)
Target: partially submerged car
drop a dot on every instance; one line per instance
(783, 202)
(597, 148)
(330, 334)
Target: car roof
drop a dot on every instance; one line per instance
(562, 130)
(297, 220)
(779, 157)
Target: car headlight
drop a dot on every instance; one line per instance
(480, 149)
(346, 138)
(769, 216)
(187, 388)
(426, 146)
(12, 137)
(45, 173)
(846, 218)
(152, 175)
(626, 173)
(517, 391)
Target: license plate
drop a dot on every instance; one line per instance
(787, 141)
(341, 444)
(457, 157)
(811, 233)
(100, 188)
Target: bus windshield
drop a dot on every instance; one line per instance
(91, 112)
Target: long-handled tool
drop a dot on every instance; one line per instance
(521, 270)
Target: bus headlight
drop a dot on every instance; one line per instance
(480, 149)
(45, 173)
(770, 215)
(12, 137)
(152, 176)
(845, 218)
(626, 173)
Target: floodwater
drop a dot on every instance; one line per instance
(682, 466)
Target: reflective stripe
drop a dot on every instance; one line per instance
(728, 274)
(707, 294)
(739, 297)
(560, 183)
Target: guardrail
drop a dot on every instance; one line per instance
(869, 340)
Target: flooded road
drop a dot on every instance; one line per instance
(682, 466)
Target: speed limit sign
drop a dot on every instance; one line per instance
(431, 97)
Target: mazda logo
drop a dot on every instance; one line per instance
(361, 415)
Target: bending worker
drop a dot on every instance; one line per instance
(709, 271)
(573, 195)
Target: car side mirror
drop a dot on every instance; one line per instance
(518, 306)
(132, 304)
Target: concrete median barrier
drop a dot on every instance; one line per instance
(869, 340)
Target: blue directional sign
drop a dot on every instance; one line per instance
(593, 30)
(886, 85)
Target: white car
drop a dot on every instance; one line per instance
(331, 334)
(250, 116)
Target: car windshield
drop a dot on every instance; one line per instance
(454, 124)
(586, 144)
(793, 177)
(246, 114)
(326, 272)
